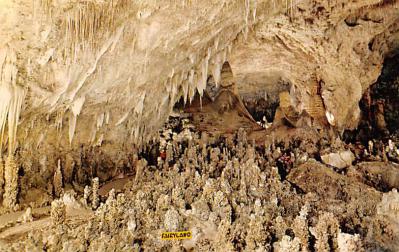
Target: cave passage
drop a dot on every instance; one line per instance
(379, 106)
(385, 93)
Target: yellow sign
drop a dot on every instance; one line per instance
(176, 235)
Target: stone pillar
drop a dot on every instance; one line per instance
(58, 212)
(58, 180)
(11, 183)
(95, 199)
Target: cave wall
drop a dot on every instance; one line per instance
(315, 45)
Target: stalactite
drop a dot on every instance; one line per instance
(4, 107)
(75, 108)
(204, 73)
(88, 20)
(217, 68)
(12, 98)
(1, 176)
(72, 127)
(13, 118)
(254, 10)
(246, 18)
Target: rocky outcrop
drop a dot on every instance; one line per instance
(339, 160)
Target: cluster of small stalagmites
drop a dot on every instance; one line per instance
(107, 228)
(91, 197)
(392, 151)
(326, 230)
(202, 189)
(110, 213)
(326, 233)
(229, 193)
(299, 240)
(171, 142)
(263, 123)
(330, 238)
(378, 150)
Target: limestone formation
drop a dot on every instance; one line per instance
(94, 193)
(258, 125)
(288, 244)
(300, 227)
(58, 212)
(349, 243)
(86, 195)
(1, 176)
(339, 160)
(239, 201)
(327, 229)
(27, 216)
(58, 180)
(171, 222)
(11, 183)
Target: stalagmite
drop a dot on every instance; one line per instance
(58, 212)
(27, 216)
(301, 229)
(11, 183)
(288, 244)
(326, 230)
(86, 195)
(58, 180)
(94, 193)
(349, 243)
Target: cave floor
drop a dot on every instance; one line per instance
(235, 188)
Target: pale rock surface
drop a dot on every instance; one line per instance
(171, 222)
(349, 243)
(389, 206)
(339, 160)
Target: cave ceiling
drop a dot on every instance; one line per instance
(88, 71)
